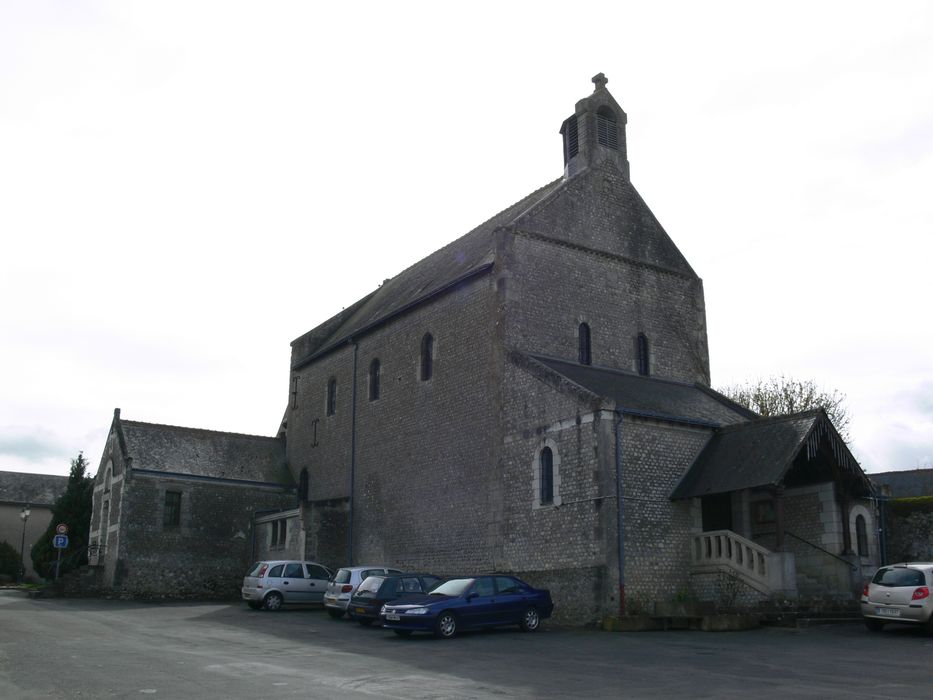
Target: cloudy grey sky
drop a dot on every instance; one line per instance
(185, 187)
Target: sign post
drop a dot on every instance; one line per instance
(60, 542)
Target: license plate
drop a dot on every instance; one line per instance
(361, 610)
(392, 616)
(888, 612)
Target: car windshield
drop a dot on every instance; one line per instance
(343, 576)
(455, 586)
(898, 576)
(254, 569)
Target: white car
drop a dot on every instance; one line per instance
(344, 584)
(899, 593)
(272, 584)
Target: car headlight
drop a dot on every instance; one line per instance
(415, 611)
(382, 611)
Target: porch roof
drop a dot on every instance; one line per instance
(650, 396)
(761, 452)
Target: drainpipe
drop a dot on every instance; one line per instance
(882, 530)
(620, 520)
(352, 454)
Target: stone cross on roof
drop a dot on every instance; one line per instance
(600, 80)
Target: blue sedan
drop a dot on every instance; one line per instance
(469, 603)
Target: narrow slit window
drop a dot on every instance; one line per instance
(547, 476)
(374, 380)
(585, 352)
(641, 344)
(171, 517)
(427, 357)
(331, 396)
(861, 536)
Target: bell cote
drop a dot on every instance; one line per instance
(595, 132)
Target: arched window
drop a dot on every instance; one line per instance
(586, 356)
(546, 487)
(607, 133)
(427, 357)
(331, 396)
(641, 346)
(303, 486)
(374, 379)
(861, 536)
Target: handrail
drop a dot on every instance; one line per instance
(727, 548)
(852, 566)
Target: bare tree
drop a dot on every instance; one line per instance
(778, 396)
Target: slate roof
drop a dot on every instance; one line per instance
(622, 225)
(651, 396)
(760, 453)
(34, 489)
(456, 261)
(910, 483)
(206, 453)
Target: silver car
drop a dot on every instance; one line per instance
(272, 584)
(899, 593)
(344, 585)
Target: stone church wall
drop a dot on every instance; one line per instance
(617, 299)
(424, 449)
(562, 546)
(655, 456)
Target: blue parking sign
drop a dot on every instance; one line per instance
(60, 541)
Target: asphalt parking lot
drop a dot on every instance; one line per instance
(118, 649)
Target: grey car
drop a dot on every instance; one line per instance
(344, 585)
(272, 584)
(899, 593)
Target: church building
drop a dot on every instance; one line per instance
(534, 398)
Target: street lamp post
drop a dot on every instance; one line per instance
(24, 514)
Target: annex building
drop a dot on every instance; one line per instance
(532, 398)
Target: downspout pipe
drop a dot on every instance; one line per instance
(352, 452)
(620, 514)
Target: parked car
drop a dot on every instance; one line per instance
(345, 582)
(272, 584)
(899, 593)
(469, 603)
(376, 591)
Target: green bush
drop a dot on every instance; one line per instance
(9, 559)
(906, 506)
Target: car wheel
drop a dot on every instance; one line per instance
(255, 605)
(530, 620)
(365, 621)
(336, 614)
(403, 633)
(273, 601)
(446, 626)
(873, 625)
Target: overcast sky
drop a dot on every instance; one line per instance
(186, 187)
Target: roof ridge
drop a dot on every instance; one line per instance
(762, 420)
(136, 423)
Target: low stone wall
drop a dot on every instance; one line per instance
(909, 524)
(576, 593)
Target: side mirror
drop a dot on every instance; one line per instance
(471, 596)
